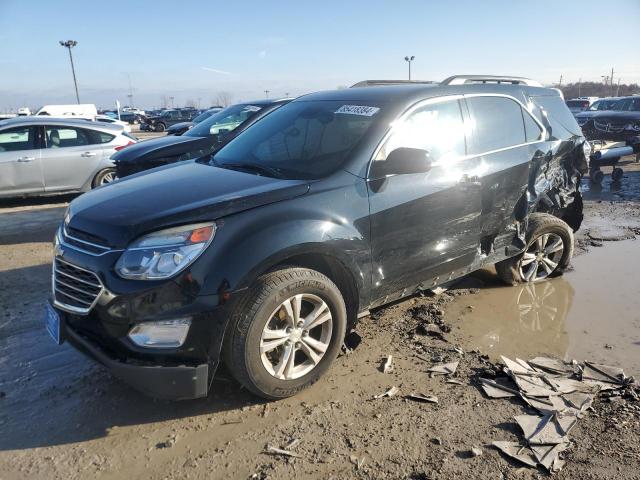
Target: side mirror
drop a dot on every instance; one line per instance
(402, 161)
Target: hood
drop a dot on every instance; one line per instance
(161, 147)
(173, 195)
(618, 117)
(180, 126)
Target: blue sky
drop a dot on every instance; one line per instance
(195, 49)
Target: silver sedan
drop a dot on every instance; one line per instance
(42, 155)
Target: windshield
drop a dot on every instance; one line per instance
(627, 104)
(578, 103)
(225, 120)
(302, 140)
(202, 116)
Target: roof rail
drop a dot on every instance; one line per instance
(463, 79)
(373, 83)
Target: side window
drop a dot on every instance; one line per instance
(96, 137)
(18, 138)
(531, 128)
(497, 123)
(437, 128)
(62, 137)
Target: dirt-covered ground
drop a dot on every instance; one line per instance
(63, 417)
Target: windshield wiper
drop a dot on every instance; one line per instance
(252, 167)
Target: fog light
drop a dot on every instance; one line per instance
(162, 334)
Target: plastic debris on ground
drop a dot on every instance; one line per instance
(389, 393)
(444, 369)
(561, 392)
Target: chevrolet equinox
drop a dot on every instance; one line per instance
(264, 254)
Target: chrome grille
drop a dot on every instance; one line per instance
(609, 126)
(83, 241)
(75, 289)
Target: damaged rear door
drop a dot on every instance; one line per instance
(505, 140)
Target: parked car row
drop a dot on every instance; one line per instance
(207, 136)
(262, 253)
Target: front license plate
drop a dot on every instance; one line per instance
(52, 323)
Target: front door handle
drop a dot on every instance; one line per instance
(26, 159)
(470, 180)
(89, 154)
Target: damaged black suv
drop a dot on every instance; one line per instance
(262, 255)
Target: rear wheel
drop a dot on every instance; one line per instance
(285, 332)
(105, 176)
(616, 174)
(548, 252)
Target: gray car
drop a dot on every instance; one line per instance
(40, 155)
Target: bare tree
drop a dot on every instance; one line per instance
(224, 99)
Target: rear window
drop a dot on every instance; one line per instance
(497, 123)
(558, 119)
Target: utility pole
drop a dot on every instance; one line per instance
(579, 85)
(611, 80)
(560, 83)
(266, 92)
(409, 60)
(69, 44)
(618, 87)
(130, 91)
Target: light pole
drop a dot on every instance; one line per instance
(409, 60)
(69, 44)
(266, 93)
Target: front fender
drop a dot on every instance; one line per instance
(331, 220)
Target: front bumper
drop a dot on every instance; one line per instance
(170, 383)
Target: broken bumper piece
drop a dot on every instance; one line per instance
(170, 383)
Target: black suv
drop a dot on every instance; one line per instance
(262, 256)
(620, 123)
(160, 123)
(203, 139)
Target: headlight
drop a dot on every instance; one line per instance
(635, 126)
(582, 121)
(165, 253)
(586, 148)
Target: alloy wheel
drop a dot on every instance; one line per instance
(296, 336)
(107, 178)
(542, 257)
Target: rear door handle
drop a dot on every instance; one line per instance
(26, 159)
(89, 154)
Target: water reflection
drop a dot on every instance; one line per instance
(589, 313)
(518, 320)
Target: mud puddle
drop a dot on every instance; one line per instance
(592, 312)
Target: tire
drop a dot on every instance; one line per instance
(267, 374)
(160, 127)
(616, 174)
(596, 176)
(547, 229)
(103, 177)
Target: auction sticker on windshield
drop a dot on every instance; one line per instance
(251, 108)
(358, 110)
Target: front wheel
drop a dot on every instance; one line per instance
(285, 332)
(160, 127)
(548, 252)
